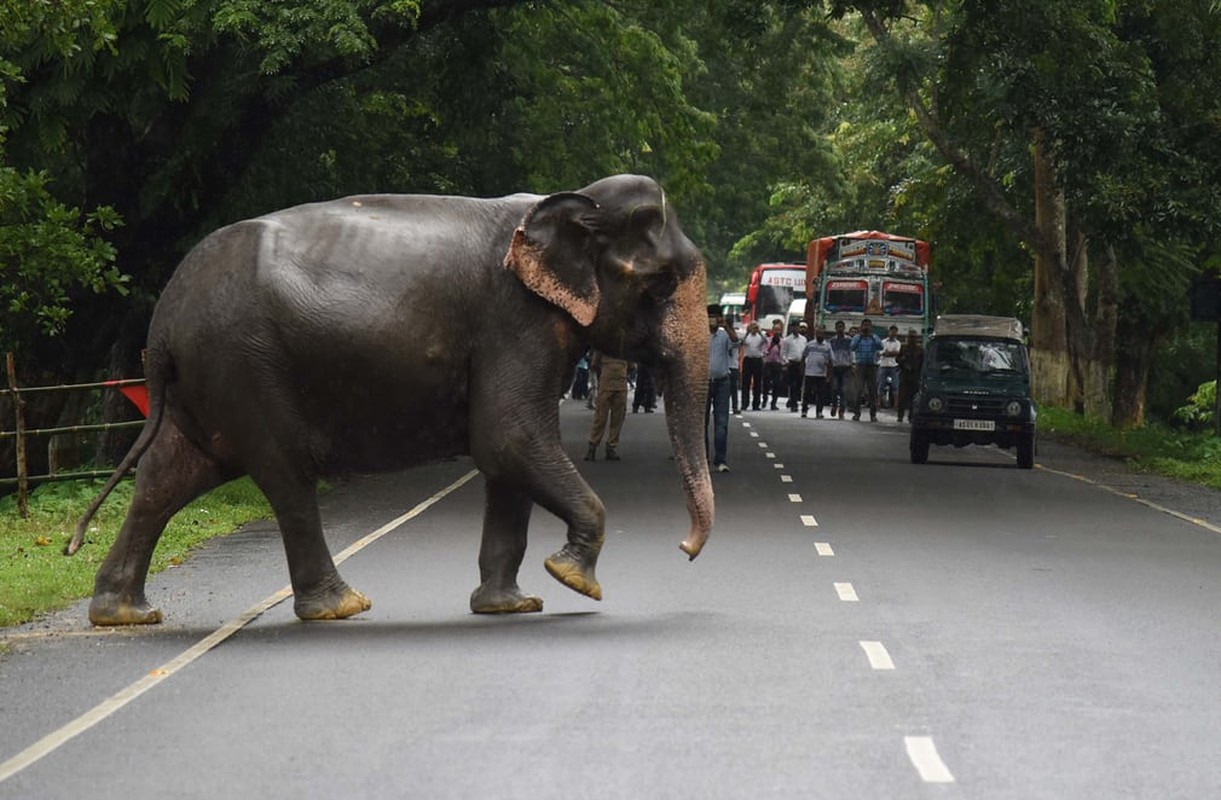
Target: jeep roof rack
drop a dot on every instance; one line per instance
(978, 325)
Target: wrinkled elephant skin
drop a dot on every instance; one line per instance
(380, 332)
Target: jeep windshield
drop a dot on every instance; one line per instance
(981, 357)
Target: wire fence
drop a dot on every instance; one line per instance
(134, 389)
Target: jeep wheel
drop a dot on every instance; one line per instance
(919, 447)
(1025, 451)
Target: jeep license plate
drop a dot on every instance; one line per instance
(974, 425)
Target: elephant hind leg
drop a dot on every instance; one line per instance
(505, 522)
(170, 474)
(319, 593)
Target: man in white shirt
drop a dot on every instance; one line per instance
(791, 349)
(817, 358)
(753, 345)
(888, 366)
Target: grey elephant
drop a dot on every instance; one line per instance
(458, 321)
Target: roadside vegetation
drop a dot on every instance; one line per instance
(36, 577)
(1188, 455)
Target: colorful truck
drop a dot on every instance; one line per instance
(868, 274)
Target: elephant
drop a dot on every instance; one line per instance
(375, 333)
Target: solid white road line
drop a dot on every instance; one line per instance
(877, 655)
(809, 521)
(923, 755)
(117, 701)
(846, 592)
(824, 549)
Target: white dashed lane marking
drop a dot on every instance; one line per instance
(809, 521)
(877, 655)
(923, 755)
(794, 498)
(846, 592)
(786, 478)
(824, 549)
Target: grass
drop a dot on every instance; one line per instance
(35, 576)
(1155, 448)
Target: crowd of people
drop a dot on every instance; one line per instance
(849, 370)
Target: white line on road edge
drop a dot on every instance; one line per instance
(923, 755)
(1203, 523)
(824, 549)
(809, 521)
(52, 741)
(877, 655)
(846, 592)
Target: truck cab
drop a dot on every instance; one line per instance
(974, 388)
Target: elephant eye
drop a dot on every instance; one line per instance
(661, 284)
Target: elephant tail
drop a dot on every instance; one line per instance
(157, 375)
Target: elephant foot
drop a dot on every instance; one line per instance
(574, 572)
(112, 609)
(341, 603)
(490, 600)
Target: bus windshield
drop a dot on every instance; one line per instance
(773, 300)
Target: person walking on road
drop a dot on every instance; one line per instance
(817, 360)
(888, 368)
(720, 350)
(610, 407)
(911, 360)
(773, 363)
(754, 343)
(791, 349)
(841, 369)
(866, 347)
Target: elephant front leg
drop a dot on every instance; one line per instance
(571, 499)
(505, 522)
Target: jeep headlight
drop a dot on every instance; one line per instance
(1013, 408)
(935, 404)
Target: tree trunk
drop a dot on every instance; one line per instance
(1052, 373)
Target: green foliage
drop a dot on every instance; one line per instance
(35, 577)
(1194, 457)
(47, 250)
(1200, 410)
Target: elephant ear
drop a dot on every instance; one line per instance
(551, 254)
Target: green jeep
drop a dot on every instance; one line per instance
(974, 388)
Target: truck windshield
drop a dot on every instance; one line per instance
(846, 296)
(976, 356)
(902, 298)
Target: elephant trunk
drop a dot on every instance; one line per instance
(685, 340)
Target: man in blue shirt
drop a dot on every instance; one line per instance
(721, 350)
(866, 347)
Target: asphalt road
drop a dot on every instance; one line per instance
(856, 627)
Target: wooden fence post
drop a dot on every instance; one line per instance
(23, 483)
